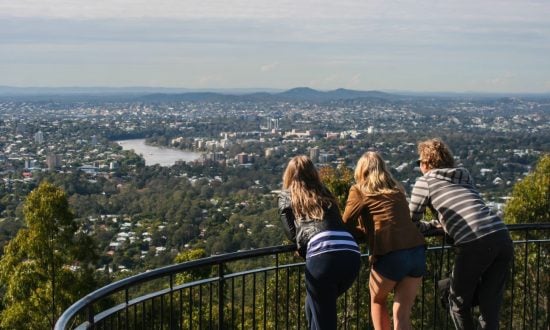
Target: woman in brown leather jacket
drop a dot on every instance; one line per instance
(378, 209)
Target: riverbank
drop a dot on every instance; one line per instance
(158, 155)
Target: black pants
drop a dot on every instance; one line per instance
(328, 275)
(485, 264)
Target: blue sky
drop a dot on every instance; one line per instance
(429, 45)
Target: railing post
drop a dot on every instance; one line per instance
(91, 317)
(171, 301)
(525, 286)
(265, 300)
(276, 290)
(254, 301)
(512, 277)
(126, 302)
(221, 281)
(537, 288)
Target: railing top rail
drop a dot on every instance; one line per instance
(528, 226)
(209, 261)
(165, 271)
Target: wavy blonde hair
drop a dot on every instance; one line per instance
(373, 177)
(436, 154)
(308, 195)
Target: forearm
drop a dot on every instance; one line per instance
(417, 206)
(287, 216)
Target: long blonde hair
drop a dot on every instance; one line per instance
(373, 177)
(308, 195)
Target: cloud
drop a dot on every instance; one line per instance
(269, 67)
(210, 80)
(331, 44)
(428, 10)
(178, 9)
(502, 80)
(354, 81)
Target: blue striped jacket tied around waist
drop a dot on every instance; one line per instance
(331, 241)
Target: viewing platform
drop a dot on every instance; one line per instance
(264, 289)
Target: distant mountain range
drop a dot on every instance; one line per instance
(145, 94)
(148, 94)
(10, 90)
(295, 94)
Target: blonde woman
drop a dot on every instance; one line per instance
(377, 208)
(310, 217)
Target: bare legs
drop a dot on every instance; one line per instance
(380, 287)
(405, 294)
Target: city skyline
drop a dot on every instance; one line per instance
(433, 46)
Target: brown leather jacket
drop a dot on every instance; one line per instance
(383, 219)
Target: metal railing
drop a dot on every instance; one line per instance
(263, 289)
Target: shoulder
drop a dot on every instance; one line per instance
(398, 195)
(284, 199)
(422, 180)
(355, 193)
(355, 189)
(464, 171)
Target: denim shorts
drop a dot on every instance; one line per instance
(398, 264)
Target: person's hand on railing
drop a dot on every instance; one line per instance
(438, 231)
(434, 231)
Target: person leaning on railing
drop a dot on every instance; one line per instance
(377, 208)
(310, 217)
(483, 246)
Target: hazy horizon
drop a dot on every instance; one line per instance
(432, 46)
(11, 91)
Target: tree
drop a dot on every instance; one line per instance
(190, 255)
(530, 202)
(338, 181)
(47, 266)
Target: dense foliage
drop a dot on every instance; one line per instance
(530, 199)
(143, 217)
(46, 267)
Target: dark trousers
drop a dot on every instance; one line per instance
(483, 264)
(328, 275)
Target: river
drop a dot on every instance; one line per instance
(157, 155)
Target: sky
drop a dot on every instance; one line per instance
(410, 45)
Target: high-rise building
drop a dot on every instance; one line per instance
(276, 123)
(272, 123)
(272, 151)
(39, 137)
(53, 161)
(370, 130)
(326, 157)
(242, 158)
(200, 144)
(314, 154)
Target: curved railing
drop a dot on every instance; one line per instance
(263, 288)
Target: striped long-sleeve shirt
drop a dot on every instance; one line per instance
(459, 207)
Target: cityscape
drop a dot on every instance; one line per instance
(143, 145)
(240, 148)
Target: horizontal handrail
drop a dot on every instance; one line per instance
(147, 276)
(162, 272)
